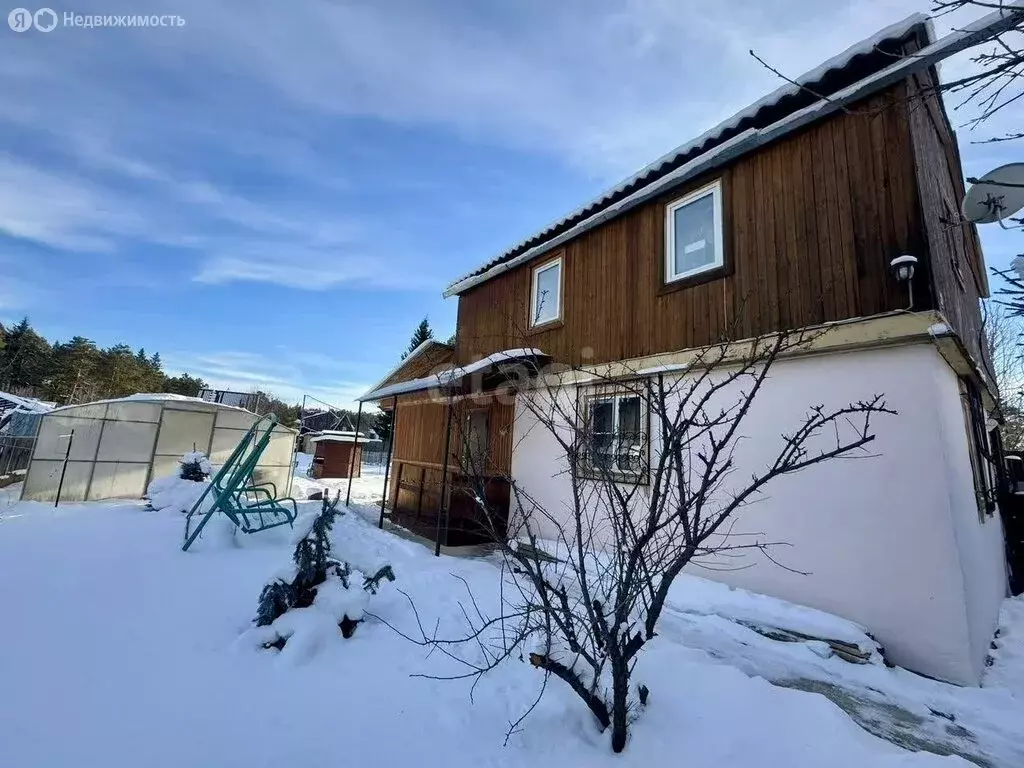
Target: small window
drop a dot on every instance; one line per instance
(978, 445)
(615, 436)
(694, 233)
(546, 304)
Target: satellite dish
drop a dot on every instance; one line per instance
(996, 195)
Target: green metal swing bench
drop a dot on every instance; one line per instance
(251, 507)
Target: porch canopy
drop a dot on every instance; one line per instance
(492, 371)
(431, 494)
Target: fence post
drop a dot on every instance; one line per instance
(443, 507)
(64, 469)
(352, 460)
(387, 465)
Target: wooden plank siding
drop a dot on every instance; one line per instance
(810, 225)
(419, 437)
(337, 459)
(939, 177)
(429, 361)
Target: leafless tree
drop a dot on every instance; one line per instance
(651, 462)
(1003, 331)
(997, 79)
(994, 80)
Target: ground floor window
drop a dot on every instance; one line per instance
(615, 434)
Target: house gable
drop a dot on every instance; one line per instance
(809, 226)
(429, 355)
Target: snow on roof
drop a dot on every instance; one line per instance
(452, 375)
(341, 438)
(25, 404)
(153, 397)
(424, 345)
(693, 149)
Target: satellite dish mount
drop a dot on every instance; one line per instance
(996, 196)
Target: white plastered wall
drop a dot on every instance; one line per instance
(893, 542)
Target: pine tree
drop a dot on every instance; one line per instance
(74, 371)
(268, 402)
(422, 333)
(383, 425)
(183, 385)
(77, 371)
(26, 360)
(313, 565)
(195, 467)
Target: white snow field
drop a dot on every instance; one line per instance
(120, 650)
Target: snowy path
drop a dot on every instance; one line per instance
(119, 650)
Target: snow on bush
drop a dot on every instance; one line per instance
(174, 494)
(179, 493)
(318, 595)
(195, 466)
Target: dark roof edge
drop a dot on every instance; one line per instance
(423, 346)
(605, 207)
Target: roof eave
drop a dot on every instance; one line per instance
(931, 53)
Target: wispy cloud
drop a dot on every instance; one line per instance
(59, 210)
(313, 270)
(259, 94)
(283, 374)
(372, 146)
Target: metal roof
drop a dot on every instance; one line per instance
(420, 349)
(455, 376)
(853, 65)
(24, 404)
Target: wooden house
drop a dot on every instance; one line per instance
(787, 215)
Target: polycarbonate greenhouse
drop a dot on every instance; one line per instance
(119, 446)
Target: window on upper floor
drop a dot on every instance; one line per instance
(546, 296)
(694, 233)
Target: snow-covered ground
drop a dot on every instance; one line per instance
(121, 650)
(366, 489)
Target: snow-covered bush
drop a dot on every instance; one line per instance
(174, 494)
(316, 583)
(179, 493)
(195, 467)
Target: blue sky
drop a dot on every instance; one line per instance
(275, 193)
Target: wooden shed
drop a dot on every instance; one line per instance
(333, 455)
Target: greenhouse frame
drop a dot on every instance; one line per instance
(120, 446)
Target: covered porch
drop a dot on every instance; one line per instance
(448, 476)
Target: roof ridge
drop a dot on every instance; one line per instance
(898, 30)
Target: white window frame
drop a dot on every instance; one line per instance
(614, 397)
(715, 190)
(534, 322)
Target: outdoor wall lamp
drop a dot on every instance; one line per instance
(902, 268)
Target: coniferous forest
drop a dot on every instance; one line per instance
(78, 371)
